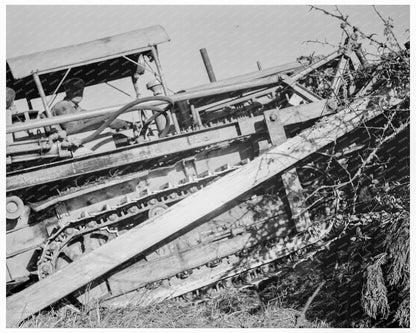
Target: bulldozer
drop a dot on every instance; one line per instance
(205, 189)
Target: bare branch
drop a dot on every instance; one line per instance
(344, 19)
(388, 27)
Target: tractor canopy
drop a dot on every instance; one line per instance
(95, 61)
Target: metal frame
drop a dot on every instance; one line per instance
(42, 95)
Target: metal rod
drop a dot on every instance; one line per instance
(137, 64)
(165, 88)
(175, 122)
(251, 95)
(131, 60)
(42, 95)
(195, 116)
(208, 66)
(159, 70)
(114, 87)
(135, 77)
(52, 99)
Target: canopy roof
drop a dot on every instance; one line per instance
(86, 53)
(95, 62)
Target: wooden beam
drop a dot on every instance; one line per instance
(303, 112)
(184, 215)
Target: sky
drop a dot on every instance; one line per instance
(236, 37)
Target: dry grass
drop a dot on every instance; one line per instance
(232, 309)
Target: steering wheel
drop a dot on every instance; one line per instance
(159, 111)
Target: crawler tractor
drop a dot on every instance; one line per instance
(206, 189)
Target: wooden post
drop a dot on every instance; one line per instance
(186, 214)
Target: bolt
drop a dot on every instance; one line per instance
(332, 104)
(91, 224)
(84, 214)
(69, 231)
(46, 268)
(158, 211)
(53, 246)
(273, 117)
(133, 209)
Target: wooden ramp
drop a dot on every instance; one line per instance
(185, 214)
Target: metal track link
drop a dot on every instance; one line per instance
(113, 216)
(245, 268)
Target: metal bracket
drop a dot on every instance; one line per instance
(275, 127)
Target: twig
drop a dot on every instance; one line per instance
(301, 318)
(388, 27)
(323, 43)
(344, 19)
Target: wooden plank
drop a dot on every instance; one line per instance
(303, 112)
(184, 215)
